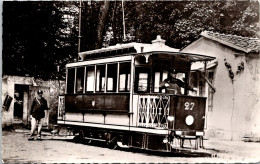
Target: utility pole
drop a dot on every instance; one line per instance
(123, 19)
(79, 36)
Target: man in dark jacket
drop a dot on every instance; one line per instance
(37, 114)
(173, 85)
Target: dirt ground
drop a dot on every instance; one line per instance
(17, 149)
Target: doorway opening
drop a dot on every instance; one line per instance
(20, 102)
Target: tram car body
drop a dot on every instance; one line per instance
(113, 94)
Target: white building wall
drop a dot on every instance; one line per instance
(8, 84)
(8, 88)
(236, 105)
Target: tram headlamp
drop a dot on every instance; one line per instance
(170, 118)
(189, 120)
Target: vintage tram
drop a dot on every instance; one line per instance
(113, 94)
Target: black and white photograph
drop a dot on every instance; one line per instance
(126, 81)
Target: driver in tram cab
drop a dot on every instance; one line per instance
(174, 85)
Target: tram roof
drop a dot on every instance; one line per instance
(189, 57)
(127, 48)
(157, 47)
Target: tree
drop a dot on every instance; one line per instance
(181, 22)
(39, 36)
(94, 16)
(101, 23)
(34, 39)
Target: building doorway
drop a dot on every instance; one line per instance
(20, 101)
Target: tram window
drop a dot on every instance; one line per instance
(158, 78)
(157, 81)
(160, 73)
(70, 80)
(124, 77)
(201, 88)
(142, 79)
(143, 82)
(164, 76)
(111, 77)
(80, 80)
(100, 81)
(181, 76)
(90, 79)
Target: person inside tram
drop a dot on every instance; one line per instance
(175, 85)
(18, 105)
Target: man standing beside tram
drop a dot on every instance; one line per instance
(37, 114)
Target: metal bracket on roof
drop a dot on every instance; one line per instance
(207, 80)
(146, 57)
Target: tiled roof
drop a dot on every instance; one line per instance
(244, 44)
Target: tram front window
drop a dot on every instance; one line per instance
(160, 72)
(174, 83)
(142, 79)
(143, 82)
(158, 78)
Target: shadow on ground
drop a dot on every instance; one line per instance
(175, 153)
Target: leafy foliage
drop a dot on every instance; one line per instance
(39, 36)
(35, 39)
(180, 23)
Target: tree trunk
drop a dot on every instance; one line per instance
(114, 24)
(101, 23)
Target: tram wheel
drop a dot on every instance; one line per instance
(88, 141)
(79, 138)
(112, 144)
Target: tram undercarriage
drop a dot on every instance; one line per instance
(148, 141)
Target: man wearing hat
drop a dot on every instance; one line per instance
(37, 114)
(173, 85)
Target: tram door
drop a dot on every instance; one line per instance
(46, 94)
